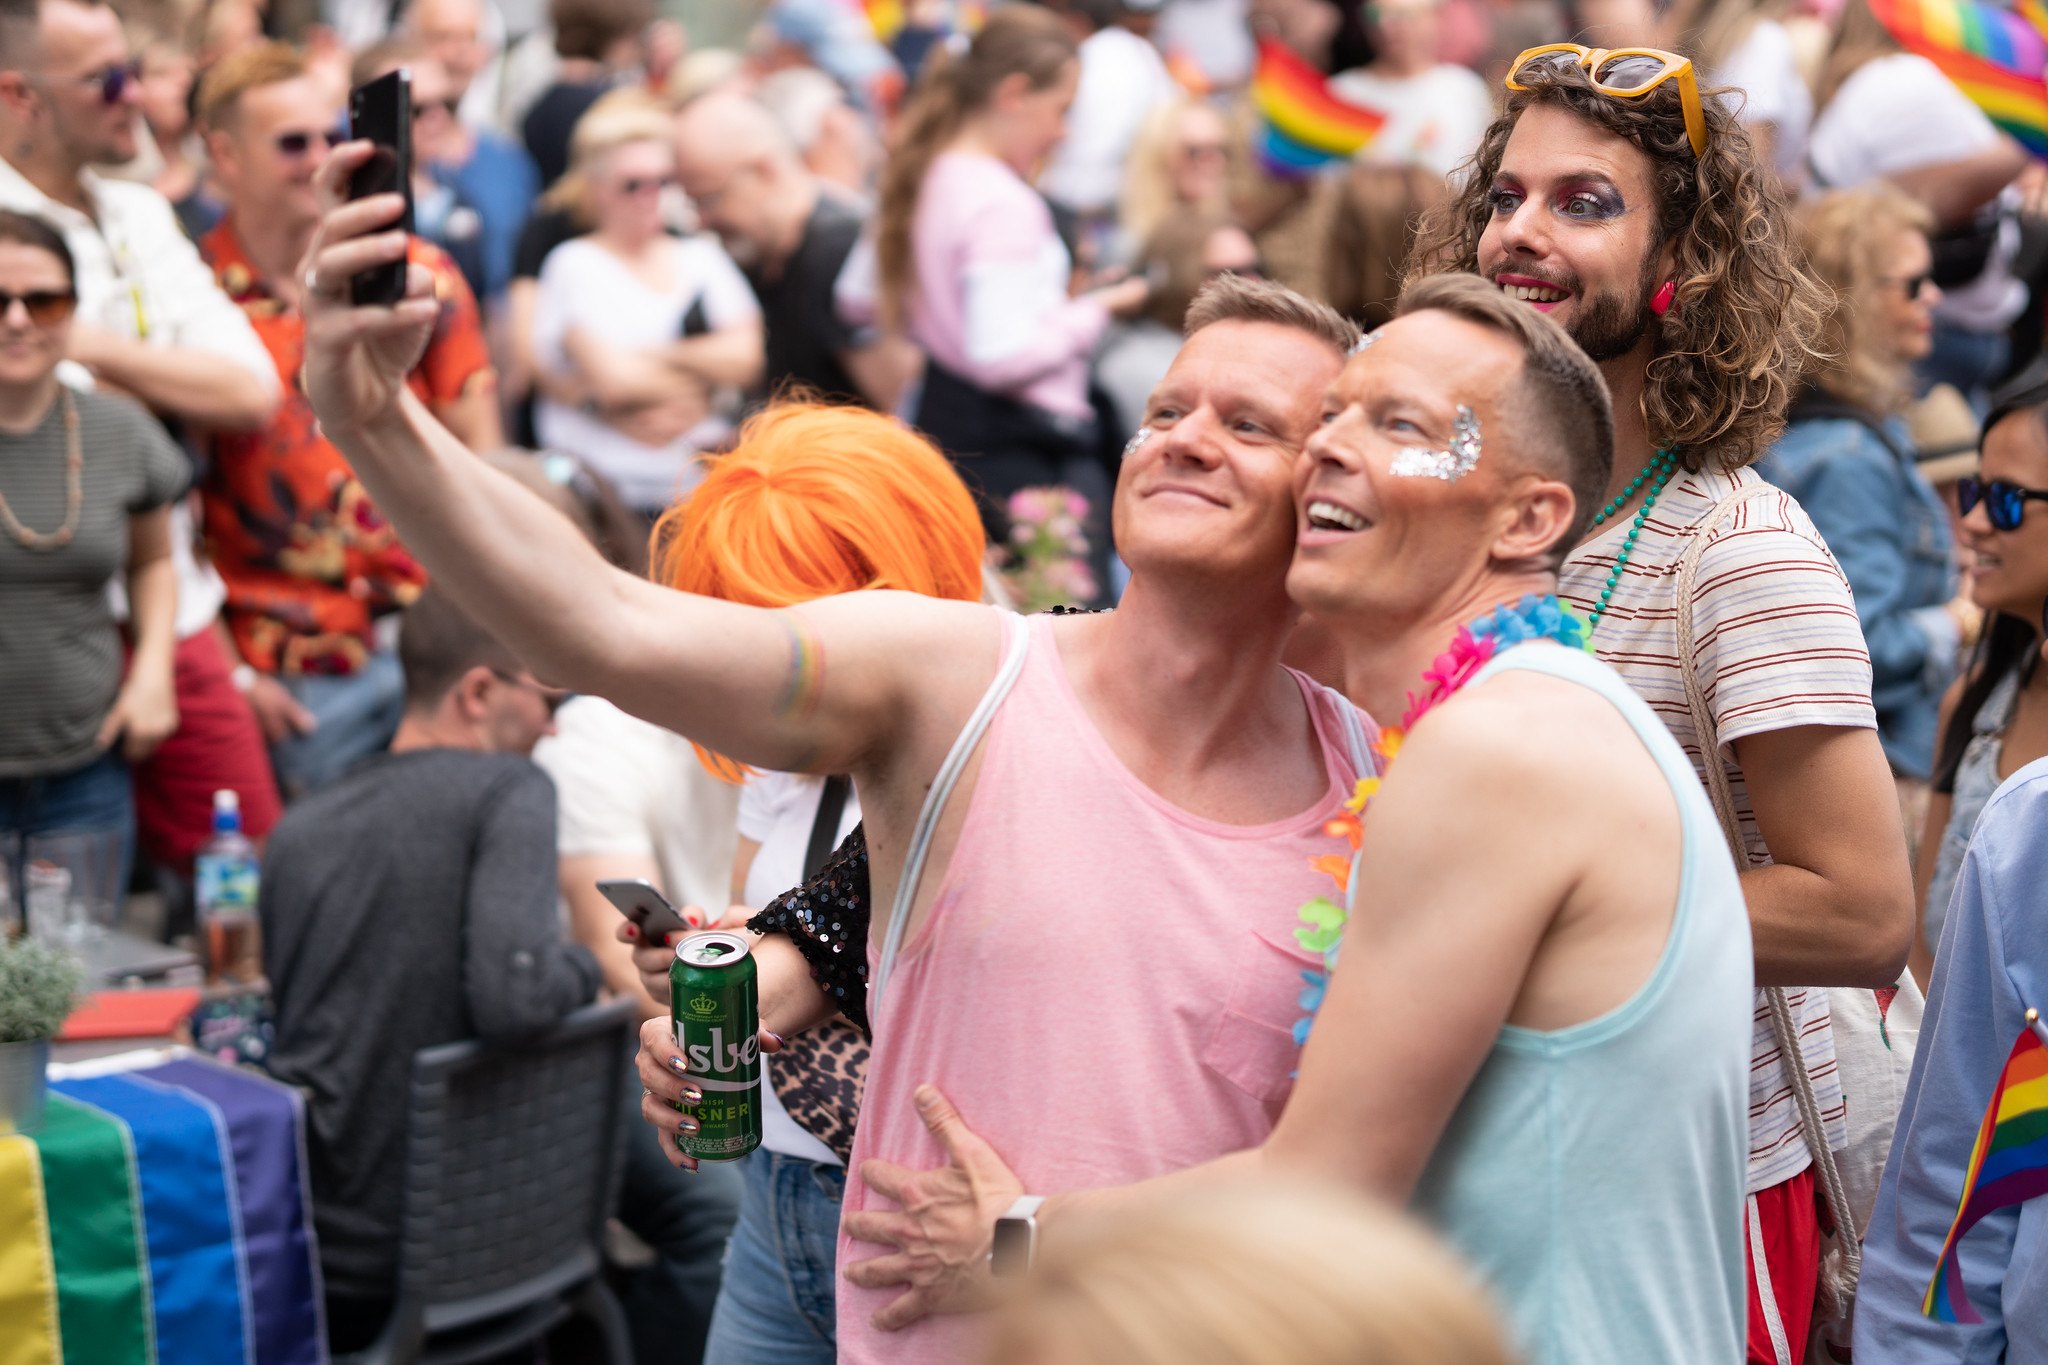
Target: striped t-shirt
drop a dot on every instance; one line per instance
(1778, 645)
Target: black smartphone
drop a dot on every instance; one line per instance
(639, 902)
(381, 112)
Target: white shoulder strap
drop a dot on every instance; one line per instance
(1018, 638)
(1354, 734)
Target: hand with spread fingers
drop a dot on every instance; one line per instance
(943, 1227)
(357, 359)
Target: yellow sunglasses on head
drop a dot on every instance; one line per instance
(1625, 73)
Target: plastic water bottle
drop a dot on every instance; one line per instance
(227, 879)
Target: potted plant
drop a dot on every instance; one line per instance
(39, 985)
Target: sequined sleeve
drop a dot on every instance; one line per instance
(827, 919)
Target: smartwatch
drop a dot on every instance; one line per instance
(1016, 1239)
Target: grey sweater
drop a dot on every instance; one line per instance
(410, 903)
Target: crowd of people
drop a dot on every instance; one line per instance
(1576, 555)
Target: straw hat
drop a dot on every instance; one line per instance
(1944, 432)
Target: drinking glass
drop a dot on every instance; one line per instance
(68, 886)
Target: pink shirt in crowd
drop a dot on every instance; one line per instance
(991, 302)
(1106, 985)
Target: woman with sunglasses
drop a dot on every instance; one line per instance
(86, 484)
(1995, 718)
(640, 336)
(1847, 457)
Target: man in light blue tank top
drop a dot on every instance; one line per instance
(1538, 1035)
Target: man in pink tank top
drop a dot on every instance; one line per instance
(1183, 747)
(1538, 1033)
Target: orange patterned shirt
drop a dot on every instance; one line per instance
(309, 563)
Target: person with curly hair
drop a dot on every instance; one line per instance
(1616, 196)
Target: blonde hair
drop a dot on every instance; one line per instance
(1272, 1273)
(1709, 31)
(618, 119)
(222, 85)
(1148, 201)
(1849, 236)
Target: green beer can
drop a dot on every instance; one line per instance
(717, 1019)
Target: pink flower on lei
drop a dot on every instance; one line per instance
(1452, 670)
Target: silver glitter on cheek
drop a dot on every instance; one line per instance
(1365, 340)
(1449, 465)
(1138, 438)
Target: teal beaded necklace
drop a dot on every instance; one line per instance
(1656, 473)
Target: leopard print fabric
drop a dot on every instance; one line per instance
(818, 1076)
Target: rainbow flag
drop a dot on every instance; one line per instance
(1303, 126)
(2009, 1164)
(1994, 54)
(159, 1217)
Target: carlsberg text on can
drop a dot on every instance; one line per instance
(717, 1020)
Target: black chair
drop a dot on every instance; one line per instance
(512, 1168)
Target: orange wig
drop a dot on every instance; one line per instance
(817, 500)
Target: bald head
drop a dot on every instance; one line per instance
(745, 177)
(730, 127)
(454, 31)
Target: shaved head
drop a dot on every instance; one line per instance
(744, 175)
(731, 128)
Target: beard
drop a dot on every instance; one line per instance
(1610, 326)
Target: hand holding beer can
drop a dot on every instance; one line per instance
(716, 1014)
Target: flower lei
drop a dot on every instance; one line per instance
(1323, 919)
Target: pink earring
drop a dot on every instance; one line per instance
(1660, 302)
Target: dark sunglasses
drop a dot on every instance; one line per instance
(114, 81)
(447, 106)
(298, 144)
(2004, 503)
(45, 307)
(634, 184)
(1915, 285)
(549, 698)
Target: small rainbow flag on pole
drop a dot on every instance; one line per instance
(1302, 125)
(1994, 54)
(2008, 1166)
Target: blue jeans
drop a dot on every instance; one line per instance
(357, 714)
(88, 800)
(777, 1300)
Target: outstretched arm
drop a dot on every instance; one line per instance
(823, 687)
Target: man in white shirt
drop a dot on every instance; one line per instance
(1435, 112)
(1123, 78)
(151, 324)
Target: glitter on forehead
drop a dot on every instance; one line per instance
(1138, 438)
(1449, 465)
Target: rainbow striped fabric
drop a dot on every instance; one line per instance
(2008, 1166)
(1302, 125)
(1993, 53)
(160, 1215)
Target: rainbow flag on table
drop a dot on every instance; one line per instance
(159, 1217)
(2008, 1166)
(1993, 53)
(1303, 125)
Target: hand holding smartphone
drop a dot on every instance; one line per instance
(381, 112)
(649, 910)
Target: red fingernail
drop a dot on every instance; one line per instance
(667, 940)
(632, 931)
(692, 920)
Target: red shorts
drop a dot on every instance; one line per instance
(1786, 1230)
(217, 745)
